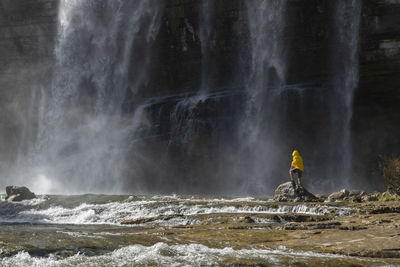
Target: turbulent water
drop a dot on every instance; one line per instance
(86, 230)
(102, 209)
(162, 254)
(84, 129)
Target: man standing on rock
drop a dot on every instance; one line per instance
(297, 167)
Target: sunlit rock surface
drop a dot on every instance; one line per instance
(339, 195)
(292, 192)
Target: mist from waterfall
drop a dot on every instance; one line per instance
(259, 131)
(99, 126)
(276, 114)
(345, 81)
(84, 137)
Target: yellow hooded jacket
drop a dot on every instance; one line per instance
(297, 161)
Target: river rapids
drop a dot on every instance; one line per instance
(117, 230)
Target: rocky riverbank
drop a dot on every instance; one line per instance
(371, 229)
(244, 231)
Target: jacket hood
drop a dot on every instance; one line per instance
(295, 153)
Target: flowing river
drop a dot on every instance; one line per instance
(117, 230)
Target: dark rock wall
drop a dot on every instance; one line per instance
(177, 67)
(28, 33)
(376, 119)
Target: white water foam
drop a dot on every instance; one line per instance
(162, 254)
(198, 199)
(115, 212)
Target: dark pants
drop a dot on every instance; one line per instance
(299, 174)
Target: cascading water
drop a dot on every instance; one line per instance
(118, 99)
(84, 137)
(345, 81)
(276, 115)
(81, 131)
(259, 130)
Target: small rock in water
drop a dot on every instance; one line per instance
(247, 219)
(19, 193)
(338, 195)
(292, 192)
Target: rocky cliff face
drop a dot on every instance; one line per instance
(376, 103)
(202, 148)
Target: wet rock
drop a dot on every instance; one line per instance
(355, 196)
(384, 209)
(312, 226)
(152, 219)
(247, 219)
(371, 197)
(321, 197)
(19, 193)
(388, 196)
(353, 228)
(292, 192)
(354, 193)
(284, 218)
(338, 195)
(355, 199)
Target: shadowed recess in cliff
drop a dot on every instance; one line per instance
(84, 139)
(187, 124)
(207, 41)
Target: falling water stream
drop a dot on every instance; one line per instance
(346, 65)
(81, 139)
(87, 131)
(265, 148)
(103, 52)
(259, 130)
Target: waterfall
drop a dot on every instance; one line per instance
(269, 129)
(259, 129)
(81, 131)
(345, 81)
(84, 136)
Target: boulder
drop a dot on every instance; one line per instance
(291, 192)
(18, 193)
(355, 196)
(338, 195)
(369, 197)
(354, 193)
